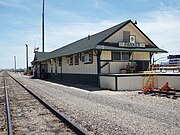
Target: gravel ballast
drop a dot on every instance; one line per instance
(108, 112)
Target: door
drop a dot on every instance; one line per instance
(142, 65)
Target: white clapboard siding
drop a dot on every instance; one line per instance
(49, 67)
(77, 69)
(141, 56)
(58, 69)
(118, 36)
(115, 67)
(106, 55)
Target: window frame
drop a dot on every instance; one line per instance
(121, 56)
(70, 60)
(76, 59)
(124, 39)
(127, 53)
(88, 58)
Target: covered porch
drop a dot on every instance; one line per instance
(123, 60)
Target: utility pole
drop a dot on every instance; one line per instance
(15, 64)
(43, 26)
(26, 57)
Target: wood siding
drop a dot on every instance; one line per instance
(49, 67)
(82, 68)
(135, 82)
(106, 55)
(141, 56)
(118, 36)
(116, 66)
(113, 67)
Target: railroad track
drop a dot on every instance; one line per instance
(31, 115)
(3, 127)
(173, 94)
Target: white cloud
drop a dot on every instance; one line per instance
(15, 4)
(12, 3)
(163, 28)
(60, 35)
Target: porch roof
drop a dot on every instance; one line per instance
(112, 48)
(85, 44)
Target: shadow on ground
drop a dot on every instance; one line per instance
(75, 84)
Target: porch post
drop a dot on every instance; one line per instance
(151, 54)
(98, 66)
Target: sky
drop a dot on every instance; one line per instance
(69, 20)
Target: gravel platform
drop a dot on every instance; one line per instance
(109, 112)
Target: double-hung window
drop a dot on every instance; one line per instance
(76, 60)
(87, 57)
(71, 60)
(126, 36)
(120, 56)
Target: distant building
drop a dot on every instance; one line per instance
(174, 60)
(123, 48)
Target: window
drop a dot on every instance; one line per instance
(125, 56)
(91, 57)
(76, 60)
(126, 36)
(59, 61)
(82, 57)
(122, 56)
(87, 57)
(116, 56)
(71, 60)
(67, 58)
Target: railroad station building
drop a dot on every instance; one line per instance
(121, 49)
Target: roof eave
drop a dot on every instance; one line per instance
(157, 50)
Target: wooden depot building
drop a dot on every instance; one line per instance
(123, 48)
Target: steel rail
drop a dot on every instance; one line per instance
(76, 128)
(8, 113)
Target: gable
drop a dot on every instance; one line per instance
(85, 44)
(140, 37)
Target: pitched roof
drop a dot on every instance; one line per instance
(85, 44)
(39, 56)
(91, 43)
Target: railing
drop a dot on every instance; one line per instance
(165, 69)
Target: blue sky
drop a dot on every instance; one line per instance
(69, 20)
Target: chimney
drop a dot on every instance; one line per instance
(135, 22)
(89, 37)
